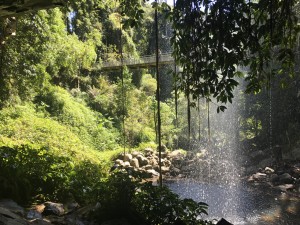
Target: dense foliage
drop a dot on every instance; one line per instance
(62, 117)
(123, 195)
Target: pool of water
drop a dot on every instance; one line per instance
(242, 204)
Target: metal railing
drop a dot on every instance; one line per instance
(144, 61)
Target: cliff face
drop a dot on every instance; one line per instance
(12, 8)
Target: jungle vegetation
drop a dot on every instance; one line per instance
(62, 118)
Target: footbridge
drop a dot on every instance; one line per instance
(142, 62)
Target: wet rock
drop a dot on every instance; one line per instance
(176, 154)
(285, 178)
(33, 214)
(285, 187)
(52, 208)
(152, 172)
(135, 163)
(223, 222)
(12, 206)
(259, 176)
(264, 163)
(174, 171)
(269, 170)
(295, 172)
(274, 178)
(9, 218)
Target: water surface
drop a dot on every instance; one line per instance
(242, 204)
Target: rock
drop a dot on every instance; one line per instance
(295, 172)
(165, 169)
(12, 206)
(174, 171)
(274, 178)
(259, 176)
(148, 151)
(143, 161)
(39, 208)
(152, 172)
(285, 179)
(119, 162)
(9, 218)
(148, 167)
(176, 154)
(135, 154)
(33, 214)
(126, 164)
(166, 163)
(264, 163)
(71, 206)
(135, 163)
(153, 162)
(223, 222)
(52, 208)
(285, 187)
(127, 157)
(269, 170)
(156, 167)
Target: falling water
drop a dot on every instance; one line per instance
(217, 181)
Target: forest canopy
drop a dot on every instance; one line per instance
(215, 41)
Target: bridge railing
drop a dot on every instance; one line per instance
(145, 60)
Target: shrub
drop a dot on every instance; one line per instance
(91, 127)
(28, 171)
(124, 195)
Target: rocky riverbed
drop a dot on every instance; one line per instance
(284, 176)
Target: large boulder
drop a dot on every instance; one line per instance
(10, 218)
(285, 178)
(12, 206)
(52, 208)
